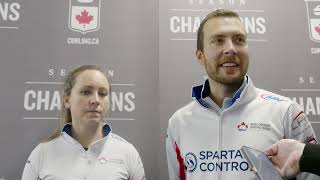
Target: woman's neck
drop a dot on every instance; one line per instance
(86, 134)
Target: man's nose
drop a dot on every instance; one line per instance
(230, 49)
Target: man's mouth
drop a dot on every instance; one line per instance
(229, 64)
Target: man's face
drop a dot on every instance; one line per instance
(225, 52)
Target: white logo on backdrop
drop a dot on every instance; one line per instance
(306, 94)
(184, 22)
(9, 14)
(84, 15)
(313, 10)
(43, 99)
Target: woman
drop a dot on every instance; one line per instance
(83, 147)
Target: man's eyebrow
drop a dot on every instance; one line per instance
(241, 34)
(216, 36)
(87, 86)
(104, 89)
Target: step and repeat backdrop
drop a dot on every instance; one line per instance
(148, 49)
(284, 49)
(41, 41)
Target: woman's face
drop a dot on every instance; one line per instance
(89, 98)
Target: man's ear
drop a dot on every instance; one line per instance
(66, 101)
(200, 57)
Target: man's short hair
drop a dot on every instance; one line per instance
(214, 14)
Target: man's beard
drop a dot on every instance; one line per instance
(214, 75)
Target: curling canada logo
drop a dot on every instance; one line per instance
(242, 127)
(313, 10)
(84, 15)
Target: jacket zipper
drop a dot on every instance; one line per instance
(220, 141)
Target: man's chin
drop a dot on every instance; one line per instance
(231, 81)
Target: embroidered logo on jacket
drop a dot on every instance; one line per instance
(270, 97)
(256, 126)
(260, 126)
(242, 127)
(104, 160)
(298, 120)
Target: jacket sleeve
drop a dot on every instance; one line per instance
(136, 169)
(174, 158)
(33, 164)
(297, 126)
(310, 159)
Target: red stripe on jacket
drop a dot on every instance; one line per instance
(182, 174)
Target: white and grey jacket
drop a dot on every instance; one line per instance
(204, 141)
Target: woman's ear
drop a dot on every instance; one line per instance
(66, 101)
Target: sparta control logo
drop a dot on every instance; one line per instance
(191, 161)
(84, 15)
(313, 10)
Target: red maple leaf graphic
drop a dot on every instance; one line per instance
(84, 18)
(317, 28)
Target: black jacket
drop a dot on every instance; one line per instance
(310, 159)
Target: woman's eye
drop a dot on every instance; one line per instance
(85, 92)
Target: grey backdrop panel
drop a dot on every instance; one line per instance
(38, 48)
(283, 57)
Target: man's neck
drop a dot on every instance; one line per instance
(219, 91)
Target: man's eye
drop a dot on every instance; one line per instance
(217, 41)
(241, 40)
(103, 94)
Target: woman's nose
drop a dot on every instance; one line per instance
(94, 99)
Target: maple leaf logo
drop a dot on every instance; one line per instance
(84, 18)
(242, 127)
(243, 124)
(317, 29)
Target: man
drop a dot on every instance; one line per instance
(205, 136)
(292, 157)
